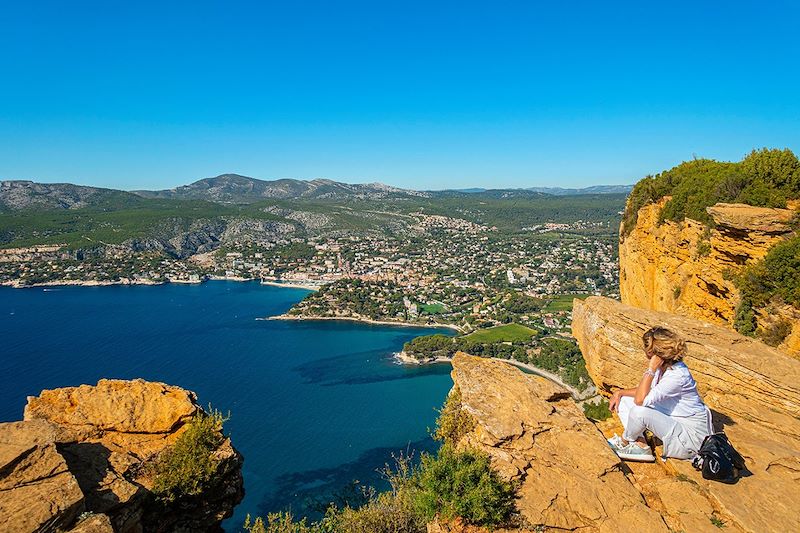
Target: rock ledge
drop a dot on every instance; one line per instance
(87, 449)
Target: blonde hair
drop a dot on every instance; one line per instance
(665, 344)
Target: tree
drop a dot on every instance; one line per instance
(775, 167)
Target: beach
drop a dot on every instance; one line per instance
(364, 321)
(292, 285)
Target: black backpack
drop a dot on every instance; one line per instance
(718, 460)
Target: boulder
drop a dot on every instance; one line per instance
(458, 526)
(94, 523)
(751, 388)
(537, 435)
(37, 490)
(95, 445)
(136, 406)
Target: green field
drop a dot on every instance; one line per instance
(506, 333)
(563, 302)
(432, 309)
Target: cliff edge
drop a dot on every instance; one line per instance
(751, 388)
(536, 435)
(687, 268)
(81, 461)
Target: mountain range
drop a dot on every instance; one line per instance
(560, 191)
(237, 189)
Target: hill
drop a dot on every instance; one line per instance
(233, 188)
(595, 189)
(27, 195)
(555, 191)
(200, 216)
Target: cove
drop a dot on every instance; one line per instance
(314, 405)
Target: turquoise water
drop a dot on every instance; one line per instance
(314, 405)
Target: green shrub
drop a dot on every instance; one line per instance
(187, 467)
(717, 521)
(453, 423)
(282, 522)
(763, 178)
(703, 249)
(776, 168)
(462, 484)
(776, 278)
(744, 321)
(564, 358)
(777, 275)
(776, 333)
(389, 512)
(597, 411)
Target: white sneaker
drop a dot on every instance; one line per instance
(615, 442)
(634, 452)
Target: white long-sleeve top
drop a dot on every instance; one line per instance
(674, 392)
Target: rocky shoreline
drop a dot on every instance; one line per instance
(292, 285)
(303, 318)
(404, 359)
(16, 284)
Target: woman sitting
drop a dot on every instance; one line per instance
(666, 402)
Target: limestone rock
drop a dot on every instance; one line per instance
(37, 490)
(751, 388)
(756, 222)
(98, 442)
(535, 433)
(457, 526)
(684, 268)
(136, 406)
(16, 437)
(95, 523)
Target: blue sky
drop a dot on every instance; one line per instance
(414, 94)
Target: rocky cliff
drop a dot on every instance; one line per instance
(80, 462)
(568, 478)
(537, 436)
(687, 268)
(751, 388)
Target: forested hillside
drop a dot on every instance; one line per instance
(764, 178)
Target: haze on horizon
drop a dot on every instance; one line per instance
(456, 95)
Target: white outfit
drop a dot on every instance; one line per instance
(672, 410)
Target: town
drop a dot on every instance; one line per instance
(440, 271)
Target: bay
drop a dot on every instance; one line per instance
(314, 405)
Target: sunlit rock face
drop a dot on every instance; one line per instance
(88, 448)
(752, 389)
(687, 268)
(569, 479)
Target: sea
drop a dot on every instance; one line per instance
(317, 408)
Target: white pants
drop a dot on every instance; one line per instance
(681, 435)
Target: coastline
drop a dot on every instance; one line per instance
(86, 283)
(16, 284)
(108, 283)
(301, 318)
(404, 359)
(291, 285)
